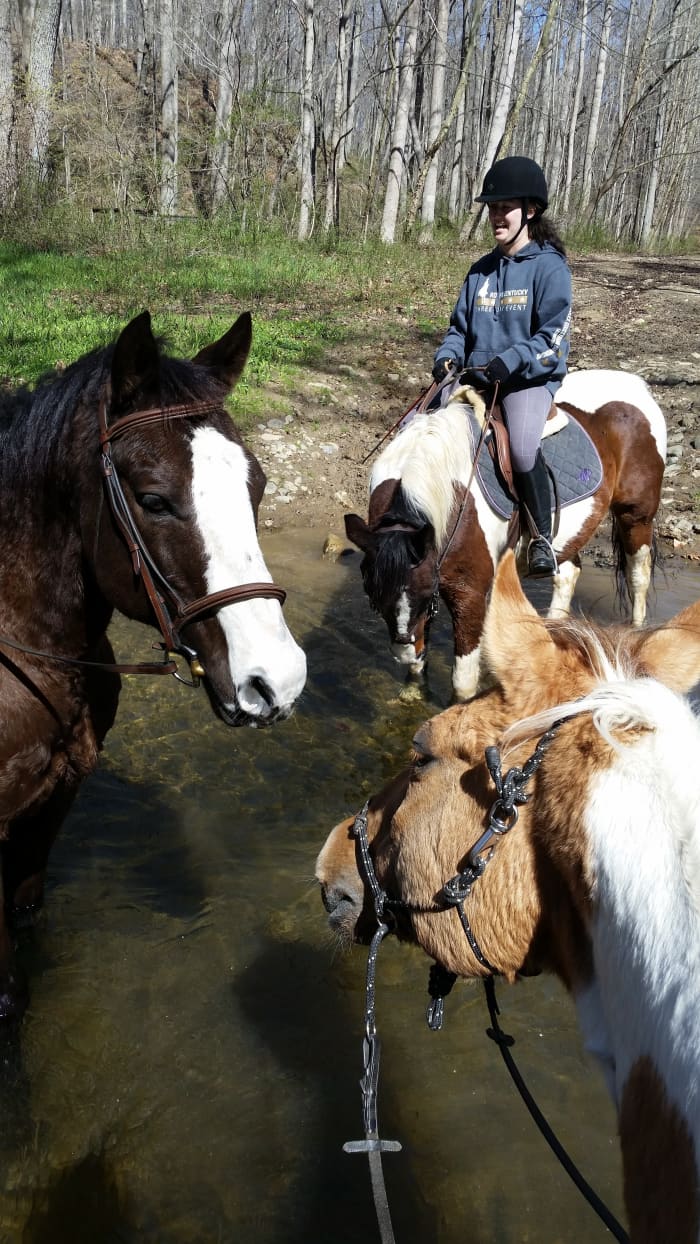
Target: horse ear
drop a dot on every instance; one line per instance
(227, 357)
(358, 532)
(135, 361)
(516, 645)
(671, 654)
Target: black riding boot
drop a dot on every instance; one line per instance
(535, 501)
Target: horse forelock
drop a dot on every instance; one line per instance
(428, 456)
(387, 571)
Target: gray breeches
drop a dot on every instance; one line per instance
(525, 412)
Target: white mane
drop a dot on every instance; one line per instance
(663, 736)
(431, 452)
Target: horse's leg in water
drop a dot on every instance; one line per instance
(468, 610)
(25, 856)
(563, 587)
(634, 534)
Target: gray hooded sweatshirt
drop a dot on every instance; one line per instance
(516, 308)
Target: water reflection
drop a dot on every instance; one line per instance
(187, 1071)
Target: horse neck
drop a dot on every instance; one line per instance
(44, 594)
(638, 847)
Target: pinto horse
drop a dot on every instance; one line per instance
(123, 484)
(431, 532)
(599, 880)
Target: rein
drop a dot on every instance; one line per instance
(503, 816)
(434, 602)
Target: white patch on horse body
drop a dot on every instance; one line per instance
(427, 456)
(259, 643)
(638, 574)
(641, 819)
(564, 585)
(591, 389)
(571, 521)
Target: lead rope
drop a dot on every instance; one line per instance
(369, 1084)
(502, 818)
(504, 1041)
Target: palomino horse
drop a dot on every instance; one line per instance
(123, 484)
(430, 530)
(599, 881)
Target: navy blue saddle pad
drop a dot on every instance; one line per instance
(570, 455)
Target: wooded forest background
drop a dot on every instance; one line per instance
(357, 118)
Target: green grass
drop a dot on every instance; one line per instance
(61, 299)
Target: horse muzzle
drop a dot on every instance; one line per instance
(407, 652)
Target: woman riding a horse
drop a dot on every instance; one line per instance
(511, 323)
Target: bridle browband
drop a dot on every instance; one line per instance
(172, 614)
(503, 816)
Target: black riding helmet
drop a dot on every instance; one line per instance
(515, 177)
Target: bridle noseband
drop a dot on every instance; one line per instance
(171, 612)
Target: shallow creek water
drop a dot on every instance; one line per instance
(188, 1070)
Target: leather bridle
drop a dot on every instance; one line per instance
(171, 612)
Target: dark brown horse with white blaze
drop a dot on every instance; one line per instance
(597, 880)
(123, 485)
(431, 531)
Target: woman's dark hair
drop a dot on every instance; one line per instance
(542, 230)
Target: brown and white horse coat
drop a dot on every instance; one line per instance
(598, 882)
(455, 542)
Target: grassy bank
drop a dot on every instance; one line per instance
(79, 281)
(59, 300)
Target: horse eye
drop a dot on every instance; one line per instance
(420, 760)
(153, 503)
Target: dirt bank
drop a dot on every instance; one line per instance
(637, 314)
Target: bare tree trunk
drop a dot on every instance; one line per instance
(338, 126)
(542, 46)
(659, 130)
(168, 107)
(221, 152)
(445, 124)
(392, 196)
(42, 54)
(437, 108)
(594, 116)
(578, 91)
(500, 113)
(307, 144)
(8, 149)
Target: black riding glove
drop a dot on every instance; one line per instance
(496, 371)
(475, 377)
(441, 368)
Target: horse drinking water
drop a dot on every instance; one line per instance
(595, 878)
(433, 532)
(123, 484)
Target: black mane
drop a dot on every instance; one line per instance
(33, 446)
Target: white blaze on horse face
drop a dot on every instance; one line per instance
(640, 821)
(260, 646)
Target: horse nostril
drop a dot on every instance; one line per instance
(259, 685)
